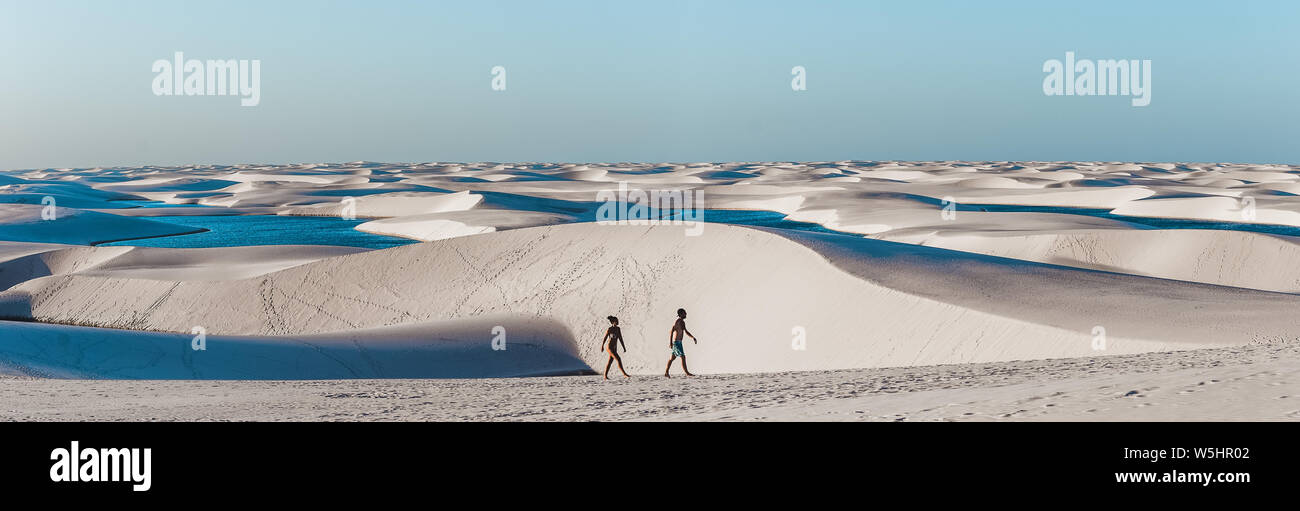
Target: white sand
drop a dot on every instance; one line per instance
(20, 262)
(1228, 258)
(1244, 383)
(24, 222)
(926, 288)
(862, 302)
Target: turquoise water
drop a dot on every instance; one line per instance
(246, 230)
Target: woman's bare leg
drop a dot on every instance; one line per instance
(620, 366)
(609, 363)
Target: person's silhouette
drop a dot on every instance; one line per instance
(675, 342)
(613, 335)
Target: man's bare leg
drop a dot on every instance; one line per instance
(688, 371)
(670, 366)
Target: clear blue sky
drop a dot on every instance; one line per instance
(645, 81)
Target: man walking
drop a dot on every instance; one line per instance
(675, 342)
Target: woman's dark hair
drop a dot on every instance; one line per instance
(612, 319)
(681, 312)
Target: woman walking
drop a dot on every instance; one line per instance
(613, 335)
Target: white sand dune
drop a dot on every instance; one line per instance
(842, 194)
(66, 194)
(861, 302)
(392, 204)
(1226, 209)
(1099, 198)
(20, 262)
(24, 222)
(209, 264)
(454, 224)
(167, 185)
(1228, 258)
(929, 286)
